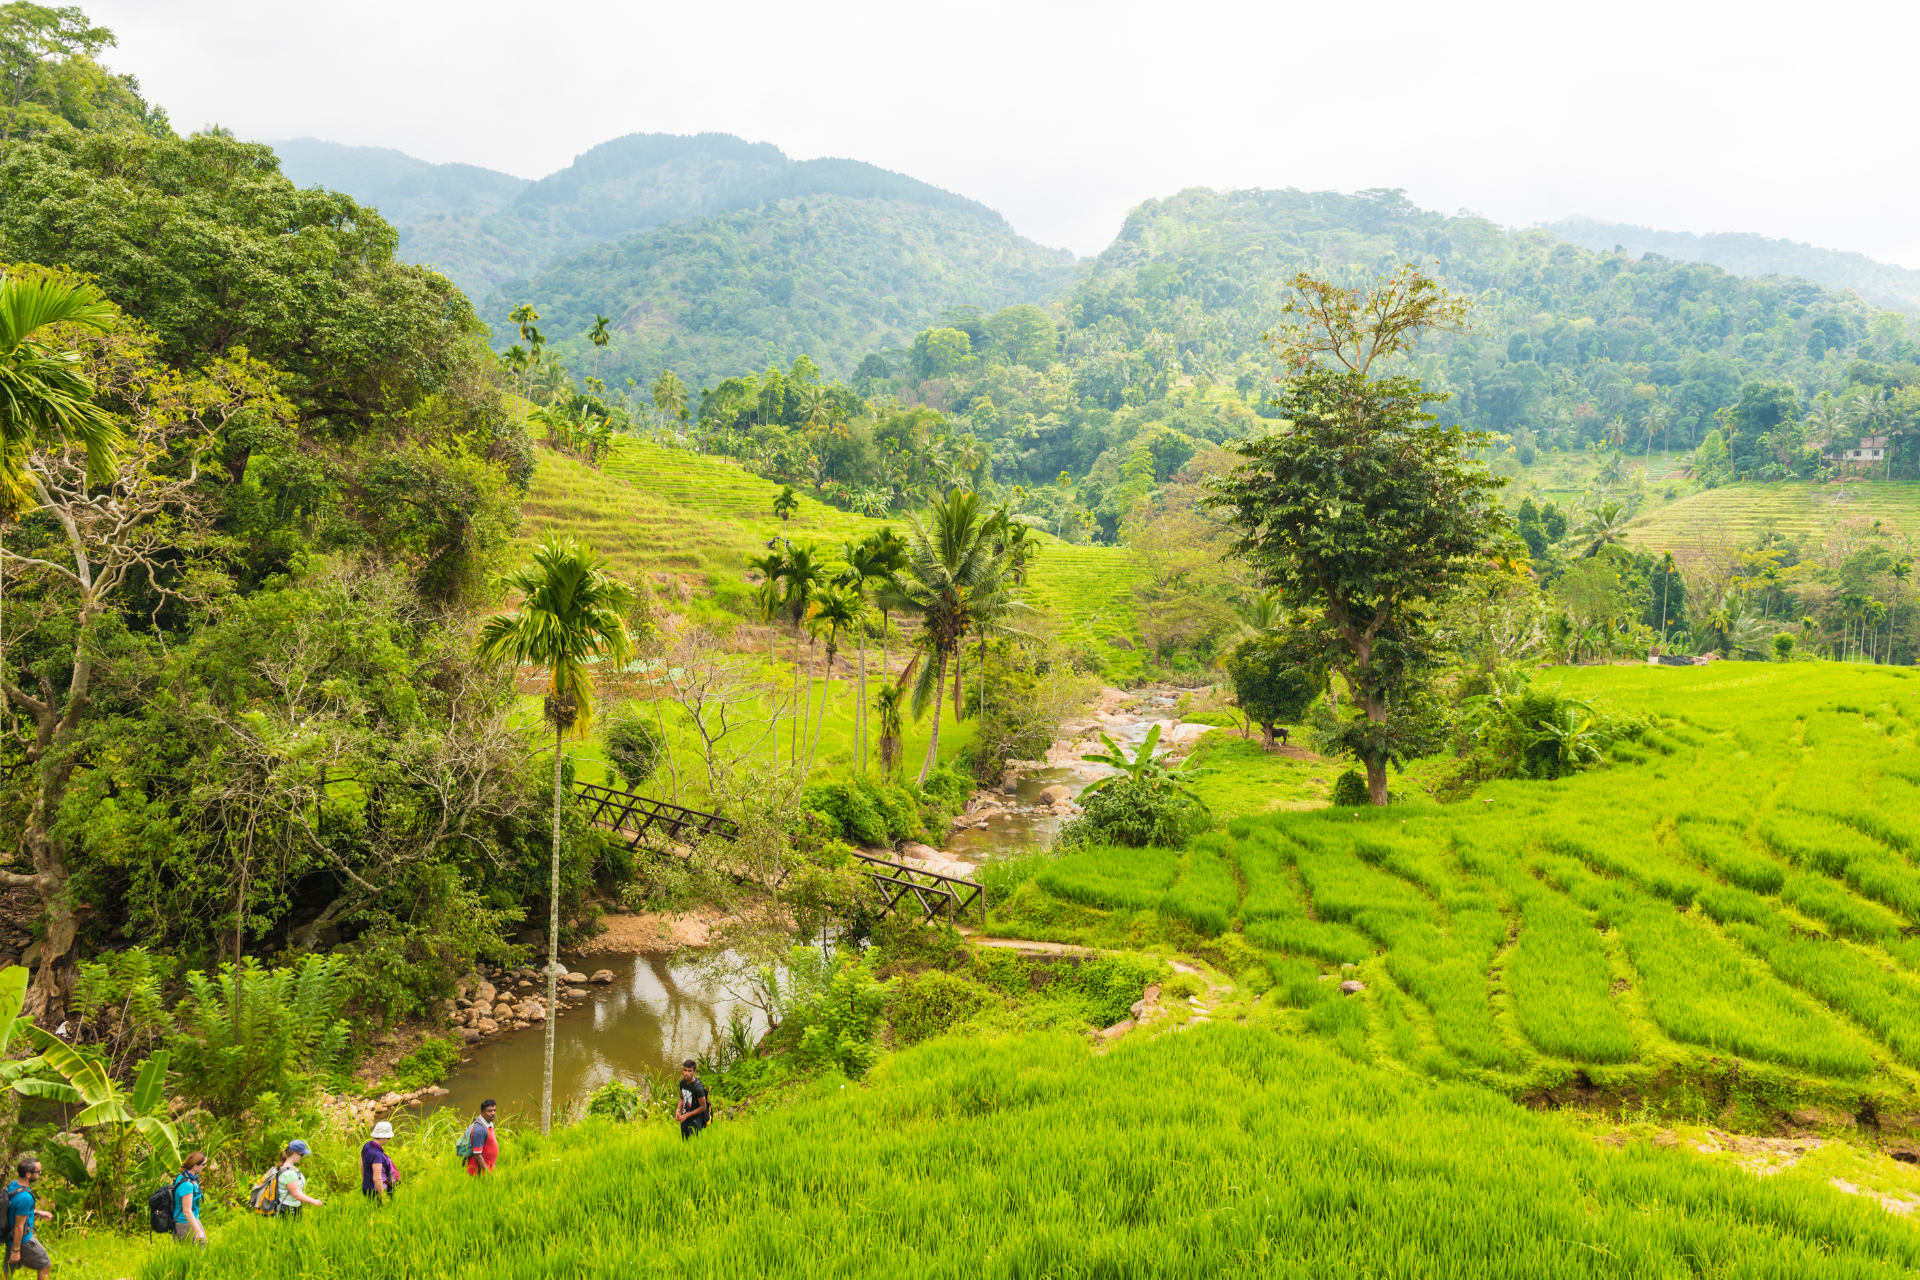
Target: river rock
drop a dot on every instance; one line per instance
(1055, 794)
(502, 1011)
(1352, 986)
(484, 994)
(518, 1024)
(919, 852)
(1118, 1029)
(461, 1002)
(575, 978)
(602, 976)
(487, 1026)
(1182, 734)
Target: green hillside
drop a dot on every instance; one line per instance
(1747, 254)
(698, 518)
(826, 276)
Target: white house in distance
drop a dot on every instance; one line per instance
(1870, 449)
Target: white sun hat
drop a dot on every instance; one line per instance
(382, 1131)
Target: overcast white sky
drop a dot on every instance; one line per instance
(1788, 119)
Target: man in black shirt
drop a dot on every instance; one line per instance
(694, 1109)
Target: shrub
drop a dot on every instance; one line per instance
(1182, 986)
(1350, 790)
(947, 788)
(634, 747)
(1111, 985)
(850, 810)
(1134, 813)
(616, 1100)
(929, 1004)
(427, 1064)
(897, 807)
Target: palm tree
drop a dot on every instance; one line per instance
(1612, 471)
(802, 579)
(599, 336)
(871, 560)
(886, 700)
(952, 576)
(834, 610)
(46, 398)
(1261, 612)
(553, 382)
(670, 394)
(571, 613)
(1606, 524)
(772, 567)
(785, 503)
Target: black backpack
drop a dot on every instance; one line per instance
(161, 1205)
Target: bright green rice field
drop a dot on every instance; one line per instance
(1715, 930)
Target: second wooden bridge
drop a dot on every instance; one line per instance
(897, 887)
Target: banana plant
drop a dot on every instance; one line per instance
(103, 1100)
(1142, 766)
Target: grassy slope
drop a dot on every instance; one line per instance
(1739, 513)
(696, 517)
(1222, 1151)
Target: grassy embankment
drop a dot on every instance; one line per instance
(1223, 1151)
(1740, 513)
(690, 521)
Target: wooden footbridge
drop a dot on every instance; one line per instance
(897, 887)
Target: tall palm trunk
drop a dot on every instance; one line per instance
(800, 709)
(860, 718)
(933, 743)
(810, 711)
(826, 692)
(553, 947)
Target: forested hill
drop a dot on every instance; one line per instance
(482, 228)
(1566, 340)
(1747, 254)
(827, 276)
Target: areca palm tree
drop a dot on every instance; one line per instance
(599, 336)
(46, 398)
(872, 560)
(572, 612)
(953, 575)
(802, 579)
(835, 609)
(1606, 524)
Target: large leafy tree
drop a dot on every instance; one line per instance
(572, 613)
(1364, 513)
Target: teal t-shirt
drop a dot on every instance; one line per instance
(181, 1185)
(291, 1180)
(20, 1205)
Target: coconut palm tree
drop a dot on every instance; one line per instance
(785, 503)
(572, 612)
(835, 609)
(670, 394)
(1605, 525)
(46, 398)
(952, 575)
(552, 382)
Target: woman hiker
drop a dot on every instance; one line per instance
(378, 1177)
(291, 1183)
(186, 1201)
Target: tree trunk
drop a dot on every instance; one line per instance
(826, 693)
(800, 711)
(553, 948)
(959, 648)
(810, 712)
(933, 743)
(860, 718)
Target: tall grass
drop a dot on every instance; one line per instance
(1723, 849)
(1112, 876)
(1887, 1003)
(1224, 1151)
(1206, 893)
(1836, 849)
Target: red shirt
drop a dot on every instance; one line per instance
(481, 1161)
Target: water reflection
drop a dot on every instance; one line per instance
(658, 1011)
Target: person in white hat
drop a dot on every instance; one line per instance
(378, 1177)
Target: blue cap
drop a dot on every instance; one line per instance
(299, 1148)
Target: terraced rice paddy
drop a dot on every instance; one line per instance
(1739, 896)
(1741, 513)
(697, 518)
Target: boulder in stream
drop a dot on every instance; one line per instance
(602, 976)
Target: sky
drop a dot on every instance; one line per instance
(1785, 119)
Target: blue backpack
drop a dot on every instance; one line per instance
(6, 1221)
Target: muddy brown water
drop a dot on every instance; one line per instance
(658, 1011)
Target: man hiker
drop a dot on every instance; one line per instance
(24, 1253)
(378, 1177)
(187, 1198)
(482, 1142)
(694, 1104)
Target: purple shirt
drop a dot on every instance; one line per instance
(370, 1155)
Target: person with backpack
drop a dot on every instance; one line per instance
(378, 1177)
(187, 1197)
(290, 1185)
(24, 1253)
(696, 1107)
(479, 1147)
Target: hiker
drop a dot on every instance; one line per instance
(694, 1103)
(377, 1175)
(481, 1141)
(186, 1201)
(291, 1183)
(24, 1253)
